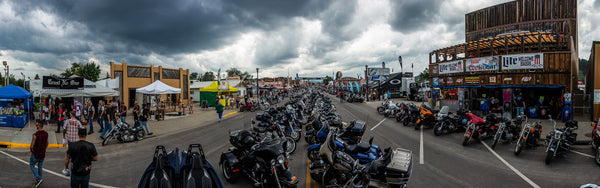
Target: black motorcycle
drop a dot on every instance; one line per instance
(124, 134)
(265, 163)
(559, 140)
(529, 136)
(507, 131)
(412, 116)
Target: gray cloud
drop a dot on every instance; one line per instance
(413, 15)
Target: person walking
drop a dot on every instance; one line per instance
(108, 111)
(90, 112)
(219, 108)
(101, 115)
(191, 105)
(144, 118)
(136, 114)
(61, 117)
(82, 153)
(39, 143)
(71, 127)
(123, 113)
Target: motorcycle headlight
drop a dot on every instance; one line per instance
(281, 159)
(557, 135)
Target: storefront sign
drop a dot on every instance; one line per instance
(459, 80)
(507, 79)
(436, 81)
(597, 96)
(452, 67)
(523, 61)
(472, 80)
(62, 83)
(567, 97)
(482, 64)
(435, 69)
(493, 79)
(441, 80)
(449, 81)
(526, 79)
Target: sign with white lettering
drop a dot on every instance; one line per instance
(452, 67)
(482, 64)
(523, 61)
(50, 82)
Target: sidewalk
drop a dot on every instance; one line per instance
(21, 137)
(583, 132)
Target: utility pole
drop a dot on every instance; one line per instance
(367, 81)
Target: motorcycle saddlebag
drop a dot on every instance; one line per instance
(343, 161)
(357, 127)
(259, 117)
(398, 170)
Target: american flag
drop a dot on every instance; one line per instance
(536, 60)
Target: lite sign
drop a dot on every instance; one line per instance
(523, 61)
(482, 64)
(452, 67)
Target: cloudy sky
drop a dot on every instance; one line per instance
(312, 37)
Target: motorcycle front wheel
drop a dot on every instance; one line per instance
(289, 145)
(295, 135)
(497, 137)
(140, 135)
(549, 156)
(519, 146)
(438, 128)
(465, 141)
(107, 140)
(380, 109)
(313, 155)
(598, 156)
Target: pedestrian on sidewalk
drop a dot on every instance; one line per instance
(82, 153)
(61, 117)
(108, 116)
(136, 114)
(39, 143)
(123, 113)
(101, 115)
(144, 118)
(71, 128)
(219, 108)
(191, 105)
(90, 112)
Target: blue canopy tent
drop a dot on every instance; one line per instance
(8, 93)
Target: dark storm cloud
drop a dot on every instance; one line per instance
(413, 15)
(597, 4)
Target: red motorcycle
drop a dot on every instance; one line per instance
(248, 106)
(479, 128)
(596, 140)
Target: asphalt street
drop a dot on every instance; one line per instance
(442, 161)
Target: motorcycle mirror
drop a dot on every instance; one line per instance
(593, 124)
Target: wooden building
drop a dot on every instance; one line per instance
(132, 77)
(593, 80)
(524, 45)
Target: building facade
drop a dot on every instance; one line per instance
(522, 47)
(132, 77)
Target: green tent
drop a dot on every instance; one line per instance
(209, 93)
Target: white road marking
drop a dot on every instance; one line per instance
(378, 124)
(421, 157)
(54, 173)
(511, 167)
(584, 154)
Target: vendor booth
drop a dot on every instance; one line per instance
(15, 100)
(209, 94)
(158, 88)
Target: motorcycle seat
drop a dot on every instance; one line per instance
(259, 129)
(358, 148)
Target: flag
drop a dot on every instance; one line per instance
(219, 75)
(412, 65)
(400, 60)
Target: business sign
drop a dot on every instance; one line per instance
(482, 64)
(435, 69)
(472, 80)
(62, 83)
(597, 96)
(526, 78)
(449, 81)
(507, 79)
(379, 71)
(436, 81)
(379, 78)
(523, 61)
(460, 80)
(493, 79)
(452, 67)
(441, 80)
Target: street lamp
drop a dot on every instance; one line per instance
(23, 79)
(6, 80)
(367, 80)
(257, 88)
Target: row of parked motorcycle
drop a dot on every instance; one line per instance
(499, 128)
(339, 158)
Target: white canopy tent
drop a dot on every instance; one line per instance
(158, 87)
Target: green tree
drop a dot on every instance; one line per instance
(37, 77)
(327, 79)
(423, 76)
(71, 71)
(582, 69)
(194, 76)
(208, 76)
(233, 71)
(89, 71)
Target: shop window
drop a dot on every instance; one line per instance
(170, 74)
(140, 72)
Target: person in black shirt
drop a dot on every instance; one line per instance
(108, 118)
(123, 113)
(144, 118)
(136, 114)
(82, 153)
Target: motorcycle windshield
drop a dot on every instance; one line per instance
(269, 150)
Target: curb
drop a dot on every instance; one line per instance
(20, 145)
(230, 114)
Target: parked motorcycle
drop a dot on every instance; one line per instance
(596, 141)
(413, 115)
(478, 128)
(247, 106)
(402, 112)
(529, 136)
(560, 140)
(426, 117)
(444, 122)
(265, 162)
(124, 134)
(384, 105)
(391, 109)
(507, 131)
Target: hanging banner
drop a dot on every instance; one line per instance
(597, 96)
(62, 83)
(472, 80)
(482, 64)
(452, 67)
(435, 69)
(523, 61)
(436, 81)
(449, 80)
(492, 79)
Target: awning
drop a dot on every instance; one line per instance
(158, 87)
